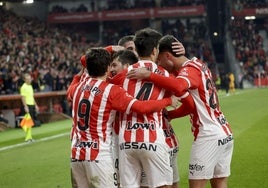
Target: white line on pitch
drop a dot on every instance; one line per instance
(39, 140)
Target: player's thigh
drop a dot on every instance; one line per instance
(115, 152)
(223, 166)
(78, 175)
(94, 173)
(203, 159)
(129, 168)
(157, 166)
(174, 164)
(208, 155)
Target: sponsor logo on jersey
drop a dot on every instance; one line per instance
(225, 140)
(93, 145)
(93, 89)
(157, 71)
(196, 167)
(137, 145)
(168, 133)
(173, 151)
(183, 72)
(222, 120)
(138, 125)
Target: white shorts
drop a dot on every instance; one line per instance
(173, 161)
(93, 174)
(153, 158)
(211, 158)
(174, 164)
(115, 152)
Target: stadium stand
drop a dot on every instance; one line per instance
(51, 51)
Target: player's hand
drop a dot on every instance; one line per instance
(139, 73)
(175, 101)
(178, 48)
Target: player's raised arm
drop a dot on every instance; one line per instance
(178, 86)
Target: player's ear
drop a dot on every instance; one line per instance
(168, 55)
(155, 51)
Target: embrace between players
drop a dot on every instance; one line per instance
(121, 133)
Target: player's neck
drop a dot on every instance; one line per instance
(101, 77)
(146, 58)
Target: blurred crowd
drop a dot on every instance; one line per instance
(249, 47)
(241, 4)
(51, 53)
(96, 5)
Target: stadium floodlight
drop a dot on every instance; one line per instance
(250, 17)
(28, 1)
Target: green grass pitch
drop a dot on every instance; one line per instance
(46, 163)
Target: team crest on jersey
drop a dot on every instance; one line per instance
(183, 72)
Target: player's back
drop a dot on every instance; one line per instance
(92, 119)
(143, 127)
(208, 120)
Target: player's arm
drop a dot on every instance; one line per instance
(150, 106)
(73, 85)
(177, 85)
(124, 102)
(186, 108)
(23, 100)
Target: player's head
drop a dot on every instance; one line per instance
(167, 56)
(165, 44)
(127, 42)
(27, 78)
(146, 41)
(98, 61)
(121, 60)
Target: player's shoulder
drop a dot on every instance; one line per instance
(196, 64)
(119, 78)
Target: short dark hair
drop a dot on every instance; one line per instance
(146, 40)
(126, 57)
(125, 39)
(165, 44)
(98, 60)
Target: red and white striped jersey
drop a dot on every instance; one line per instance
(171, 138)
(94, 105)
(208, 121)
(142, 127)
